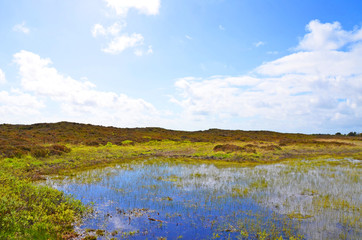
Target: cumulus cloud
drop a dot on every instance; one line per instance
(2, 77)
(21, 28)
(148, 7)
(18, 105)
(113, 30)
(304, 90)
(80, 99)
(120, 43)
(327, 36)
(215, 96)
(140, 52)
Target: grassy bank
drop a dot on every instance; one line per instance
(33, 212)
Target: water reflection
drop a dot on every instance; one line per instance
(189, 201)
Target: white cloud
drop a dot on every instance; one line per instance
(327, 36)
(304, 90)
(113, 30)
(140, 52)
(18, 105)
(120, 43)
(317, 63)
(80, 101)
(21, 28)
(188, 37)
(150, 49)
(2, 77)
(148, 7)
(98, 29)
(258, 44)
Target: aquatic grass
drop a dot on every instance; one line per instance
(325, 200)
(173, 202)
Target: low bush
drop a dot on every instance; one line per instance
(227, 148)
(28, 211)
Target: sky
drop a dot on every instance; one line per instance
(278, 65)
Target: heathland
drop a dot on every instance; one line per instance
(309, 182)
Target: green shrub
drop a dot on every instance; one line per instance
(352, 134)
(28, 211)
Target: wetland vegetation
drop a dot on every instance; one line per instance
(76, 181)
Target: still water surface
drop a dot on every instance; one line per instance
(187, 201)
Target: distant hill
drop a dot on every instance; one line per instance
(20, 139)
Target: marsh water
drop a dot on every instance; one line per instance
(178, 200)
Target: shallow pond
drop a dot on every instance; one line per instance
(163, 200)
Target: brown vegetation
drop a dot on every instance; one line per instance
(227, 148)
(46, 139)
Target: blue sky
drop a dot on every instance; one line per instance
(281, 65)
